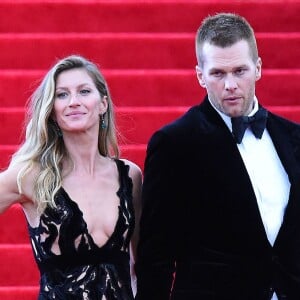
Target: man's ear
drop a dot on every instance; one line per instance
(258, 69)
(200, 76)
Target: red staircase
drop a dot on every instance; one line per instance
(146, 52)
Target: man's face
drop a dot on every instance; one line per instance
(229, 75)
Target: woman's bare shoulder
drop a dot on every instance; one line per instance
(134, 169)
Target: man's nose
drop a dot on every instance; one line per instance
(230, 83)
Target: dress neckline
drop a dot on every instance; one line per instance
(67, 196)
(119, 164)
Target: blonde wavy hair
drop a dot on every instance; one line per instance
(43, 147)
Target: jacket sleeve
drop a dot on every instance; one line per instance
(156, 254)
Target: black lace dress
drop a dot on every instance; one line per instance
(83, 270)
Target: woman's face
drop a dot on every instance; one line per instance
(77, 103)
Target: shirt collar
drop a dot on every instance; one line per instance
(227, 119)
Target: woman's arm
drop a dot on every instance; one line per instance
(136, 175)
(9, 192)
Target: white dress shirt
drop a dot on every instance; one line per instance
(268, 177)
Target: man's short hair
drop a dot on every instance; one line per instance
(224, 30)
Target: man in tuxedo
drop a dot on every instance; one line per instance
(221, 195)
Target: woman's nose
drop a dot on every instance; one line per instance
(74, 100)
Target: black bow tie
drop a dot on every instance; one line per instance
(257, 123)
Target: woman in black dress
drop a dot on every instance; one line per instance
(81, 201)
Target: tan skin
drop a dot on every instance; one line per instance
(229, 75)
(93, 180)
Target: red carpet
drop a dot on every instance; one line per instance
(146, 52)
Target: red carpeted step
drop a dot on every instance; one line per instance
(135, 153)
(5, 154)
(16, 231)
(155, 87)
(142, 16)
(289, 112)
(18, 267)
(137, 51)
(18, 292)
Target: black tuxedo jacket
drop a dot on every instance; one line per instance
(201, 234)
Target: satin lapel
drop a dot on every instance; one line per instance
(289, 154)
(284, 148)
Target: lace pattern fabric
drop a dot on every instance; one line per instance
(78, 268)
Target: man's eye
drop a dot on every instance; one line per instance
(240, 71)
(217, 73)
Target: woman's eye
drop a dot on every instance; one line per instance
(61, 95)
(85, 92)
